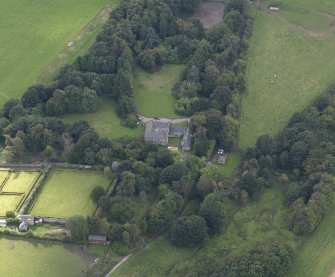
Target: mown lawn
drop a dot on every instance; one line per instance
(316, 257)
(9, 203)
(20, 181)
(33, 32)
(39, 259)
(106, 122)
(67, 193)
(153, 92)
(304, 65)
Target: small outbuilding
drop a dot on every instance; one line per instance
(23, 227)
(29, 219)
(274, 7)
(115, 165)
(222, 158)
(3, 222)
(97, 239)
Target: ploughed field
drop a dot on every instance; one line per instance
(34, 32)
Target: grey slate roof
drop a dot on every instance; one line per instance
(177, 131)
(186, 142)
(222, 159)
(23, 226)
(97, 238)
(157, 130)
(27, 219)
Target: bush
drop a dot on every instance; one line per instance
(10, 214)
(96, 193)
(13, 222)
(120, 248)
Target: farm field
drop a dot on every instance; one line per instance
(105, 121)
(316, 257)
(20, 181)
(33, 32)
(15, 189)
(9, 202)
(67, 193)
(35, 258)
(153, 92)
(296, 50)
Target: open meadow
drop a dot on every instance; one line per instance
(39, 259)
(105, 121)
(290, 63)
(67, 193)
(153, 92)
(34, 32)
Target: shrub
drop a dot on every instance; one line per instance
(96, 193)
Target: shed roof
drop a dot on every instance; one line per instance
(97, 238)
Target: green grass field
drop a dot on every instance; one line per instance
(34, 32)
(39, 259)
(67, 193)
(302, 61)
(153, 92)
(3, 175)
(9, 203)
(20, 181)
(106, 122)
(317, 254)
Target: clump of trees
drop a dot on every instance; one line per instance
(259, 262)
(188, 231)
(303, 156)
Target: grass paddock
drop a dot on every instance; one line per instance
(9, 203)
(67, 193)
(288, 67)
(20, 181)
